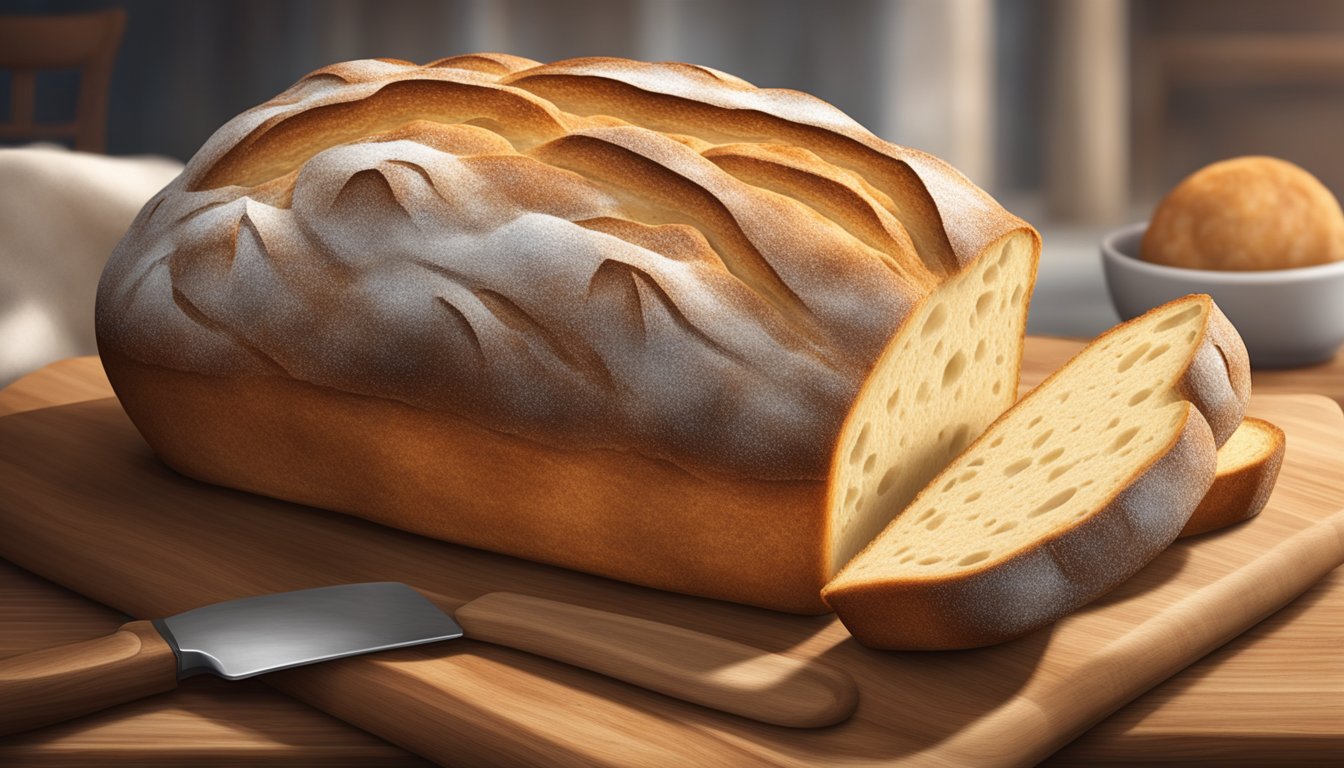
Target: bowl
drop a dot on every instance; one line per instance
(1287, 317)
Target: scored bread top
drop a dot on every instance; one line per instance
(597, 252)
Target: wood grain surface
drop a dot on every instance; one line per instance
(1190, 714)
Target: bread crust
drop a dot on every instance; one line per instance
(568, 284)
(1242, 493)
(1218, 377)
(1048, 581)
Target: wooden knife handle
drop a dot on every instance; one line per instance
(56, 684)
(682, 663)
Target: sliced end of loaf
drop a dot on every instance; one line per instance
(950, 372)
(1069, 493)
(1248, 467)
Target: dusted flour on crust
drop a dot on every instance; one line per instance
(657, 261)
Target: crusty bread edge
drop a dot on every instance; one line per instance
(1242, 493)
(1218, 377)
(1045, 582)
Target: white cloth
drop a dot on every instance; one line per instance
(61, 214)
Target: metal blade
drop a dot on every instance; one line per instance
(254, 635)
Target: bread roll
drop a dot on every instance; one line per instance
(642, 320)
(1247, 213)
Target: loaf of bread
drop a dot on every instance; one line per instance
(1248, 466)
(1083, 482)
(641, 320)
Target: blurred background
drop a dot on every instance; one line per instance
(1076, 114)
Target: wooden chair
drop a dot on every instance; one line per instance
(87, 42)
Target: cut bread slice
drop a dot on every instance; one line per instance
(1248, 466)
(1066, 495)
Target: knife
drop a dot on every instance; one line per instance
(255, 635)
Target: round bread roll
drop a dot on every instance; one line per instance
(1247, 213)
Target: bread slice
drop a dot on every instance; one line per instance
(1248, 466)
(1070, 492)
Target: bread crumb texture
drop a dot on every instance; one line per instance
(1074, 489)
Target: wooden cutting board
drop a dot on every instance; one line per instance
(1012, 702)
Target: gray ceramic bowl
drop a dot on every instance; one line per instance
(1287, 317)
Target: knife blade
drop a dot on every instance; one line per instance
(266, 633)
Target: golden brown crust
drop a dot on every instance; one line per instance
(1241, 493)
(1040, 585)
(610, 513)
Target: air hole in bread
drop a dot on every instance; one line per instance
(953, 370)
(975, 557)
(1122, 439)
(869, 463)
(936, 320)
(1180, 318)
(1054, 502)
(932, 560)
(1006, 527)
(1064, 397)
(1140, 396)
(972, 497)
(1016, 466)
(991, 275)
(1061, 469)
(997, 387)
(1052, 455)
(888, 478)
(1133, 357)
(980, 349)
(976, 462)
(1159, 350)
(922, 393)
(859, 445)
(1034, 422)
(1040, 440)
(933, 524)
(1017, 296)
(984, 303)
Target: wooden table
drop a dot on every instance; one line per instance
(1274, 695)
